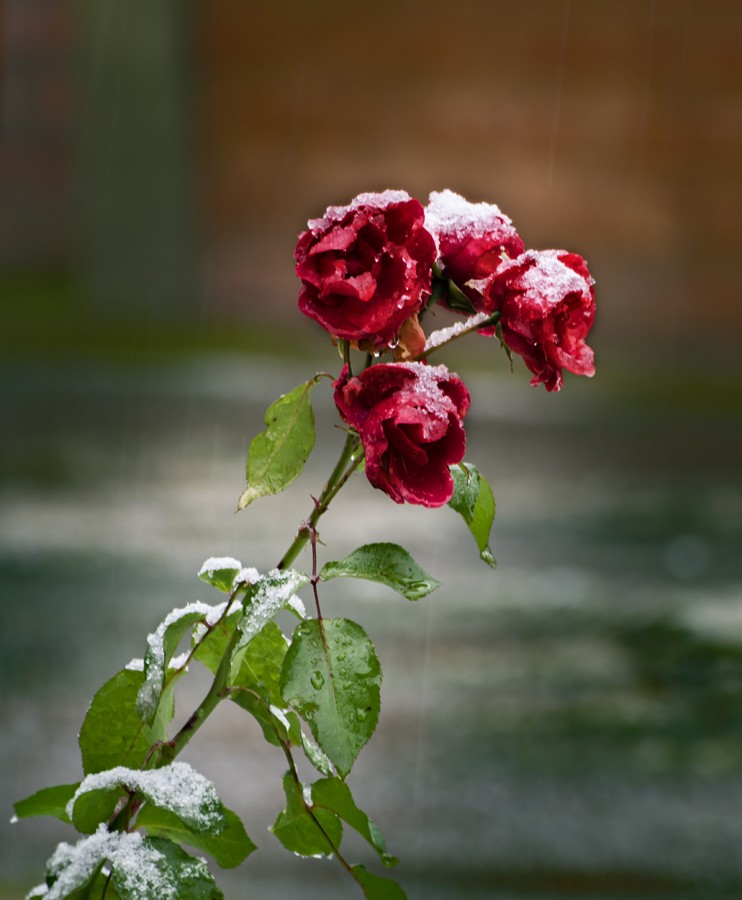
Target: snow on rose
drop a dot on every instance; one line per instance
(409, 418)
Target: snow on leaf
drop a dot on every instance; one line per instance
(270, 594)
(140, 867)
(220, 572)
(161, 645)
(177, 788)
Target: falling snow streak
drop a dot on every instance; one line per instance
(561, 66)
(644, 120)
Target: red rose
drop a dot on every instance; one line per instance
(473, 240)
(547, 305)
(409, 418)
(367, 267)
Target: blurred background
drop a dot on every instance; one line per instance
(567, 726)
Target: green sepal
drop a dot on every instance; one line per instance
(278, 454)
(332, 677)
(377, 888)
(474, 501)
(229, 848)
(302, 832)
(335, 795)
(457, 299)
(387, 564)
(50, 801)
(113, 733)
(501, 339)
(438, 289)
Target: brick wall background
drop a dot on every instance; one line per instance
(172, 156)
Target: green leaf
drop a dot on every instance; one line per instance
(335, 795)
(176, 788)
(211, 649)
(274, 728)
(113, 734)
(278, 454)
(474, 501)
(157, 867)
(332, 677)
(140, 867)
(302, 832)
(100, 883)
(316, 756)
(161, 645)
(260, 668)
(73, 867)
(229, 848)
(387, 564)
(220, 573)
(51, 801)
(41, 890)
(96, 888)
(93, 807)
(272, 592)
(377, 888)
(257, 687)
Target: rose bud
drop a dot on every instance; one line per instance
(409, 417)
(473, 241)
(547, 304)
(366, 267)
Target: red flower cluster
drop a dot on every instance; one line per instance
(367, 272)
(409, 418)
(545, 298)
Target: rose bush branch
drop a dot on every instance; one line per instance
(370, 274)
(350, 459)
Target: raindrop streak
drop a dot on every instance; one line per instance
(686, 36)
(562, 65)
(418, 778)
(644, 122)
(295, 119)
